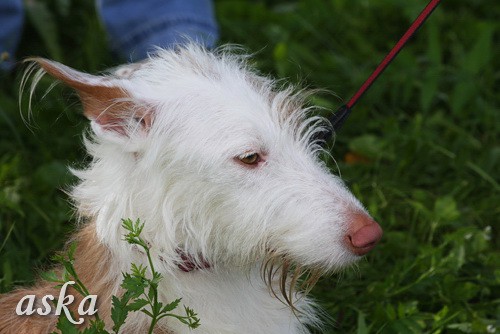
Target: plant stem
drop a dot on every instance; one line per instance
(153, 286)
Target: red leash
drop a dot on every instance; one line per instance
(338, 119)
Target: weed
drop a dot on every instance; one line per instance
(140, 291)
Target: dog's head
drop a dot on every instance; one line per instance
(216, 160)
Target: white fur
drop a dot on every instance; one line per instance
(182, 178)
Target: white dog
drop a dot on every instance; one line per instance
(221, 166)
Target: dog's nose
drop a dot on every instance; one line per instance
(363, 233)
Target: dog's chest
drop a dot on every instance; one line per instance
(233, 303)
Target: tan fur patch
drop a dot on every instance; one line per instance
(92, 263)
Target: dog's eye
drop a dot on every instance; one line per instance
(250, 159)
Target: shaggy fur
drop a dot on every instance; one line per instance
(168, 142)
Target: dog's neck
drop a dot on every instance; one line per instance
(243, 291)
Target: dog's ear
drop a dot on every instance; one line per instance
(105, 98)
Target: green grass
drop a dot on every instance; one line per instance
(421, 150)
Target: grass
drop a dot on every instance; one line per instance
(421, 149)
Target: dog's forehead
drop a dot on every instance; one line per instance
(221, 91)
(223, 83)
(216, 96)
(226, 112)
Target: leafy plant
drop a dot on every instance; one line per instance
(140, 291)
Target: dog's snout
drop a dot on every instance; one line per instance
(363, 233)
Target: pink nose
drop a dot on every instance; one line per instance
(363, 234)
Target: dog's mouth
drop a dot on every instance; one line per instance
(289, 280)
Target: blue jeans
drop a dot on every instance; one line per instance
(134, 26)
(11, 23)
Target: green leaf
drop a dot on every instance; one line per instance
(134, 286)
(138, 271)
(119, 312)
(66, 276)
(51, 277)
(135, 228)
(128, 225)
(70, 269)
(137, 304)
(171, 306)
(157, 307)
(156, 279)
(71, 251)
(445, 209)
(191, 318)
(96, 327)
(66, 326)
